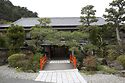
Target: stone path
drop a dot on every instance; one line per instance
(61, 76)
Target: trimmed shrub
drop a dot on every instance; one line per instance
(21, 61)
(90, 63)
(121, 60)
(25, 62)
(15, 58)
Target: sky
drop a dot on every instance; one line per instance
(62, 8)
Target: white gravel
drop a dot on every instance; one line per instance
(96, 78)
(7, 72)
(103, 78)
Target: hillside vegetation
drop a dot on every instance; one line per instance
(10, 12)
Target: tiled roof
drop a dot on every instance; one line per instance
(55, 21)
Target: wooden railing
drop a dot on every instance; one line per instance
(73, 60)
(43, 61)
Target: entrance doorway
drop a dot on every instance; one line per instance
(57, 52)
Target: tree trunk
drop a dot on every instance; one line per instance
(118, 36)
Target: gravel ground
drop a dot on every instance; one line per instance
(7, 72)
(15, 80)
(103, 78)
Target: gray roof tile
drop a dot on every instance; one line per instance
(55, 21)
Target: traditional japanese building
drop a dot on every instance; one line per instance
(57, 23)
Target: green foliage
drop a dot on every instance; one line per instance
(37, 55)
(4, 21)
(16, 37)
(90, 63)
(53, 37)
(106, 69)
(77, 35)
(36, 61)
(14, 60)
(3, 41)
(87, 49)
(111, 54)
(70, 39)
(96, 36)
(108, 34)
(84, 28)
(44, 22)
(101, 52)
(88, 72)
(116, 15)
(25, 65)
(10, 12)
(39, 36)
(88, 15)
(79, 56)
(121, 60)
(82, 52)
(25, 62)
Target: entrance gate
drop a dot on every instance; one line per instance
(54, 52)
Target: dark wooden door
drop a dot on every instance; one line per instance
(59, 53)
